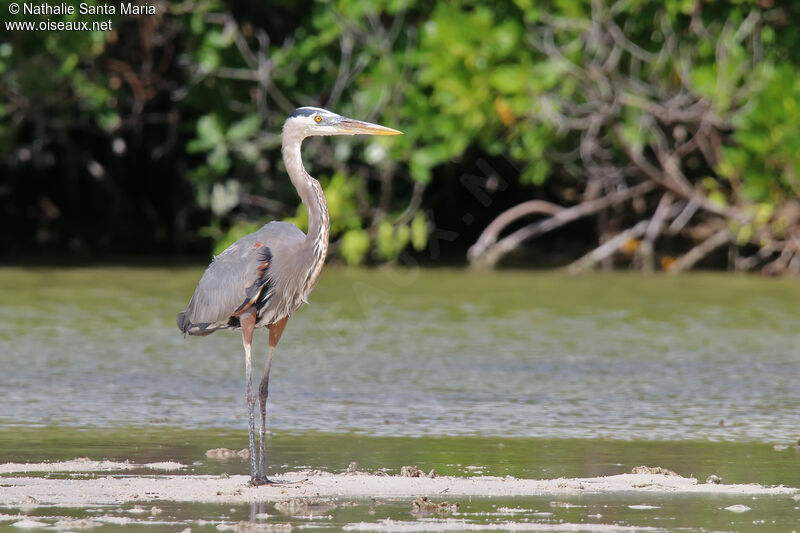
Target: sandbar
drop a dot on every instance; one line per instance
(105, 487)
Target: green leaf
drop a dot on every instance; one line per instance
(209, 134)
(219, 159)
(509, 78)
(196, 23)
(419, 173)
(354, 246)
(109, 121)
(244, 129)
(208, 58)
(69, 63)
(717, 198)
(419, 231)
(402, 236)
(384, 240)
(744, 234)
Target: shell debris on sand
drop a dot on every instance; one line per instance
(225, 454)
(415, 471)
(423, 506)
(304, 506)
(653, 470)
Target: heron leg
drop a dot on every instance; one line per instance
(263, 391)
(248, 323)
(275, 332)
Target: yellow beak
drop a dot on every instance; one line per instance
(349, 126)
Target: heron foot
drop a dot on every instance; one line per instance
(259, 481)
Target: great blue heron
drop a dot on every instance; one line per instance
(264, 277)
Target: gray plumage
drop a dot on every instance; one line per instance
(264, 277)
(241, 277)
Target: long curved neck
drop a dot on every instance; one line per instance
(310, 192)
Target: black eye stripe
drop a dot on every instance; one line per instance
(304, 112)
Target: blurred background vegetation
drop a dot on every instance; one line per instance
(657, 135)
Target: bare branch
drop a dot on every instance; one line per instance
(413, 205)
(684, 218)
(653, 231)
(608, 248)
(688, 260)
(613, 245)
(485, 252)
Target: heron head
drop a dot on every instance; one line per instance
(310, 121)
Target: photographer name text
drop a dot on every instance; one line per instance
(84, 8)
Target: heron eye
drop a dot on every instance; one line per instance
(318, 119)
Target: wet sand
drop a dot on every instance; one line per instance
(93, 483)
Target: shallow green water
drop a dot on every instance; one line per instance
(416, 353)
(524, 374)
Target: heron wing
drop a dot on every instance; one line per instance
(237, 279)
